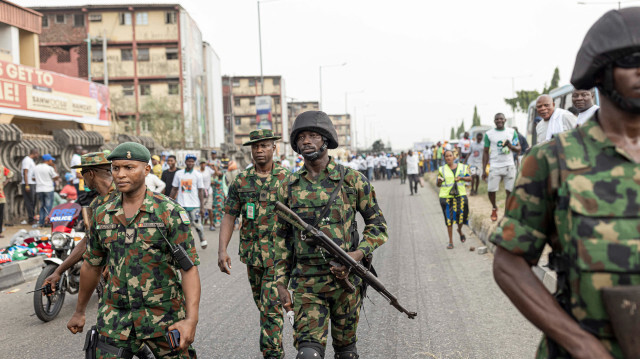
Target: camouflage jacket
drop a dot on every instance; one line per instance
(580, 194)
(256, 235)
(306, 265)
(144, 290)
(100, 200)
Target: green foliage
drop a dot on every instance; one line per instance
(453, 134)
(377, 146)
(525, 97)
(476, 118)
(460, 130)
(163, 122)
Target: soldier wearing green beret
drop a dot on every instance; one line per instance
(579, 193)
(96, 171)
(148, 293)
(253, 194)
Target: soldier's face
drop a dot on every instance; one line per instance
(129, 175)
(309, 142)
(262, 152)
(627, 81)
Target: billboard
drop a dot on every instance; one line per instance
(263, 110)
(30, 92)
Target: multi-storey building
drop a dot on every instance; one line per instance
(342, 124)
(241, 112)
(155, 65)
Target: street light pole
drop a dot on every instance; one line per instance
(619, 2)
(260, 44)
(320, 75)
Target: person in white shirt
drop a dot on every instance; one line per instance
(370, 166)
(45, 175)
(154, 184)
(362, 165)
(583, 101)
(353, 164)
(499, 143)
(428, 153)
(376, 167)
(207, 178)
(383, 165)
(284, 162)
(474, 160)
(465, 147)
(188, 191)
(75, 161)
(554, 120)
(413, 171)
(392, 163)
(29, 184)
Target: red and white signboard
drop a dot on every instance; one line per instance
(30, 92)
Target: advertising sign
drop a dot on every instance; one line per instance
(263, 110)
(30, 92)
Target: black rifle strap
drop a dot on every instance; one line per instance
(334, 194)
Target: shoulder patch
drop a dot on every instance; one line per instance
(185, 217)
(107, 226)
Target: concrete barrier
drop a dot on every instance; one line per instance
(19, 272)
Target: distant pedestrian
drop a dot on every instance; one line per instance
(5, 176)
(439, 149)
(46, 175)
(188, 191)
(465, 147)
(29, 183)
(524, 147)
(583, 100)
(207, 178)
(554, 120)
(154, 184)
(434, 165)
(392, 162)
(156, 166)
(168, 174)
(453, 195)
(284, 162)
(75, 160)
(69, 191)
(403, 167)
(428, 153)
(499, 142)
(370, 166)
(413, 171)
(474, 160)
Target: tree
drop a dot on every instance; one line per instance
(453, 134)
(555, 80)
(460, 130)
(163, 121)
(525, 97)
(377, 146)
(476, 118)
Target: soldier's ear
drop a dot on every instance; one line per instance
(147, 169)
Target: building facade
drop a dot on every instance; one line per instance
(155, 66)
(298, 107)
(342, 124)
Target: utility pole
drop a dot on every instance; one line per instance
(104, 58)
(260, 43)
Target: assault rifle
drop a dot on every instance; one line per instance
(314, 236)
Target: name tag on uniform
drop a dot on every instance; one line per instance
(251, 211)
(151, 225)
(107, 226)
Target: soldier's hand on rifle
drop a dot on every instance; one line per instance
(341, 271)
(52, 279)
(76, 323)
(285, 297)
(224, 262)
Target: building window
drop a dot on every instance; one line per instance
(252, 101)
(45, 21)
(78, 20)
(236, 83)
(95, 17)
(126, 54)
(127, 90)
(142, 18)
(143, 54)
(96, 55)
(276, 81)
(59, 18)
(145, 89)
(172, 53)
(170, 17)
(276, 100)
(236, 102)
(252, 82)
(238, 121)
(174, 88)
(125, 18)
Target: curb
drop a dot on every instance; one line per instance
(20, 272)
(484, 227)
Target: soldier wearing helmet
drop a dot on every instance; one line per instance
(579, 193)
(324, 186)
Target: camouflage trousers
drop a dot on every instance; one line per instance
(265, 295)
(159, 346)
(315, 309)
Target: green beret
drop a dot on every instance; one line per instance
(130, 151)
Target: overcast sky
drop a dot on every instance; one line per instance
(422, 65)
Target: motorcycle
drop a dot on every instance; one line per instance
(67, 229)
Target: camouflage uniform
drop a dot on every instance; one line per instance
(579, 193)
(317, 297)
(144, 295)
(256, 248)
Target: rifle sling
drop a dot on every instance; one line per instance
(334, 194)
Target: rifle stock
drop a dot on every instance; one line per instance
(623, 306)
(320, 239)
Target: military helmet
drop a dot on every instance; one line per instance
(316, 121)
(616, 34)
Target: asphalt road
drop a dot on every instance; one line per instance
(461, 311)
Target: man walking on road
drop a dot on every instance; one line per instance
(169, 174)
(317, 298)
(149, 292)
(578, 193)
(29, 183)
(46, 176)
(475, 160)
(583, 101)
(498, 144)
(554, 120)
(188, 191)
(413, 171)
(370, 166)
(253, 195)
(75, 160)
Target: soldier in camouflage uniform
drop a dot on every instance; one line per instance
(145, 297)
(580, 194)
(96, 171)
(253, 194)
(317, 297)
